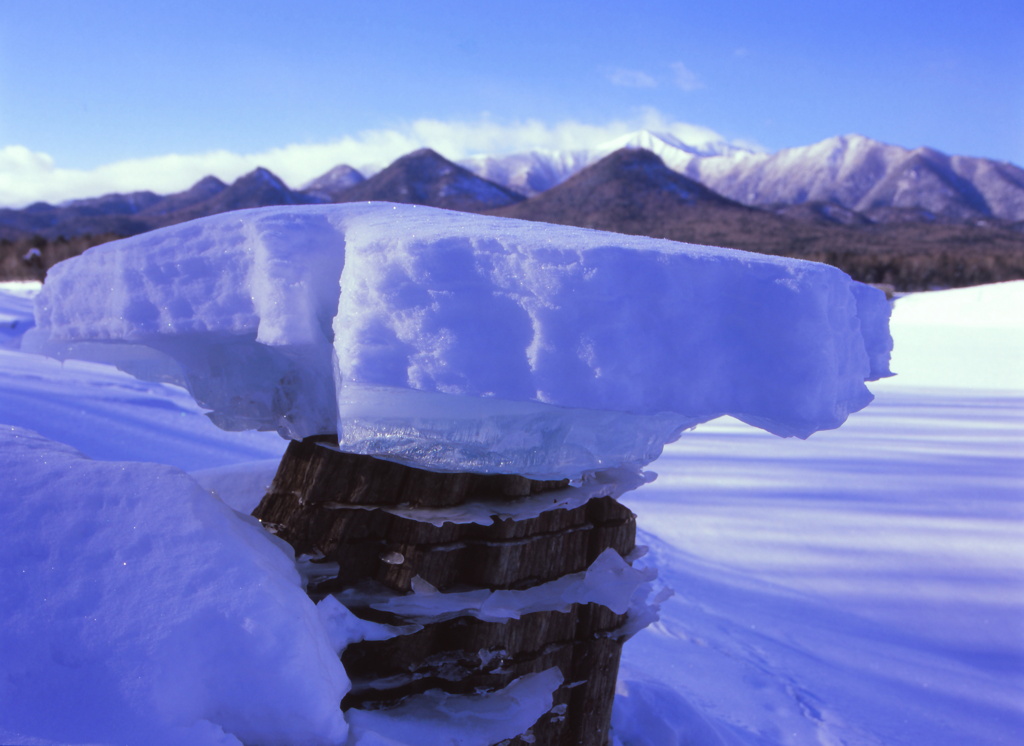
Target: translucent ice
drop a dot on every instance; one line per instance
(462, 342)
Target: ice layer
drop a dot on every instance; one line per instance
(454, 341)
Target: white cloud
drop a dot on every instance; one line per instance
(631, 78)
(27, 176)
(685, 78)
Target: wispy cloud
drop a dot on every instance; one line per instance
(685, 78)
(27, 176)
(630, 78)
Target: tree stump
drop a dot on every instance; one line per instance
(383, 529)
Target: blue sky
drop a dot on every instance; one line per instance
(93, 95)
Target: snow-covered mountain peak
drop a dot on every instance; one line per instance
(646, 140)
(699, 144)
(839, 150)
(850, 141)
(840, 170)
(675, 153)
(336, 180)
(535, 171)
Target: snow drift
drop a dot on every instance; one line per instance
(121, 581)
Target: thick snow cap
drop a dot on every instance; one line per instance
(462, 342)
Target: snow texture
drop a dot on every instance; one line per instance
(461, 342)
(138, 608)
(863, 587)
(939, 331)
(16, 311)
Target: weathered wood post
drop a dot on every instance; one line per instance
(384, 525)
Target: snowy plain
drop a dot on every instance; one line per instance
(865, 586)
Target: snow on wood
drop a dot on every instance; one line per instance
(453, 341)
(485, 361)
(529, 594)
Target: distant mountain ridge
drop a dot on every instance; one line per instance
(912, 218)
(883, 182)
(126, 215)
(848, 179)
(633, 191)
(865, 175)
(537, 171)
(424, 177)
(200, 193)
(332, 184)
(628, 191)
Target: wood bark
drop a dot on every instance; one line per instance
(335, 506)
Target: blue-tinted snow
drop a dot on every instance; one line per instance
(861, 587)
(456, 341)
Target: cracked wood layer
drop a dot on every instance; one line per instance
(465, 655)
(328, 475)
(391, 549)
(323, 501)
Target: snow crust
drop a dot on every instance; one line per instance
(454, 341)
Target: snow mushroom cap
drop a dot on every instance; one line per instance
(463, 342)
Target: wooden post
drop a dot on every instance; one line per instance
(339, 505)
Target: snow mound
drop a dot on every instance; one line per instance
(454, 341)
(126, 588)
(16, 311)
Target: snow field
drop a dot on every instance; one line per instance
(865, 586)
(861, 587)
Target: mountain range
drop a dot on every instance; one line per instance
(845, 196)
(426, 178)
(884, 183)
